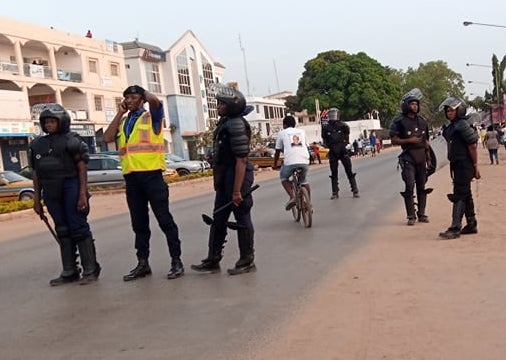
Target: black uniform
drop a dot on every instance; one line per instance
(413, 161)
(459, 135)
(335, 135)
(53, 159)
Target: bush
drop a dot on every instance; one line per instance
(12, 206)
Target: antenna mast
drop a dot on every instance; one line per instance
(276, 73)
(245, 67)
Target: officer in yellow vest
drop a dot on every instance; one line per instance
(139, 137)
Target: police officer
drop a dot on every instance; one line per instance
(59, 162)
(411, 132)
(462, 142)
(142, 153)
(233, 176)
(336, 135)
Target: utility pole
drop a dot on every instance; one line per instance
(245, 67)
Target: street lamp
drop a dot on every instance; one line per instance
(467, 23)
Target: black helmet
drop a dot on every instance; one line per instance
(233, 98)
(412, 95)
(55, 111)
(333, 114)
(456, 104)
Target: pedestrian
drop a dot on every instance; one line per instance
(316, 151)
(141, 149)
(360, 146)
(372, 142)
(355, 147)
(233, 177)
(492, 140)
(462, 142)
(295, 156)
(336, 135)
(59, 162)
(411, 132)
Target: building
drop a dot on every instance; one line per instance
(42, 65)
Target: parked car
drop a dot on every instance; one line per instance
(26, 171)
(15, 187)
(263, 158)
(106, 169)
(185, 167)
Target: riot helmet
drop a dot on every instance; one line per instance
(230, 96)
(333, 114)
(412, 95)
(56, 111)
(456, 104)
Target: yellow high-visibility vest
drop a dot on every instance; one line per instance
(143, 150)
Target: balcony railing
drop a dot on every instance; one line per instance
(69, 76)
(37, 71)
(9, 67)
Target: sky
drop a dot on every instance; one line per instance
(279, 37)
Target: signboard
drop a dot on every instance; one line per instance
(153, 56)
(83, 129)
(17, 128)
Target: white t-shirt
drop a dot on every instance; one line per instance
(292, 142)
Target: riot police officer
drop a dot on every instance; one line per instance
(411, 132)
(59, 161)
(462, 141)
(233, 176)
(336, 135)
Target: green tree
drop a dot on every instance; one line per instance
(436, 81)
(356, 84)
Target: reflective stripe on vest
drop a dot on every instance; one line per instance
(144, 150)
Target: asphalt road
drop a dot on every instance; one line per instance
(198, 316)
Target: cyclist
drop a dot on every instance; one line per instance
(292, 142)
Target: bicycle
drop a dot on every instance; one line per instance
(303, 208)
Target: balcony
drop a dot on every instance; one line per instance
(9, 67)
(69, 76)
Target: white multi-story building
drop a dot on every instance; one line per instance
(42, 65)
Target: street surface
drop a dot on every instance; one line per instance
(198, 316)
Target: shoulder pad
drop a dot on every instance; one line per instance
(465, 130)
(240, 134)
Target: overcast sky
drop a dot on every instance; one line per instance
(278, 37)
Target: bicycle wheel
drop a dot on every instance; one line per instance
(296, 210)
(306, 208)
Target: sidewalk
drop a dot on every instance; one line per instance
(409, 295)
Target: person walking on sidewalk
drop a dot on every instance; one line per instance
(142, 155)
(462, 142)
(233, 177)
(60, 162)
(336, 135)
(411, 132)
(492, 141)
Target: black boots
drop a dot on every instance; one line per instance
(207, 265)
(141, 270)
(453, 232)
(176, 270)
(243, 265)
(354, 187)
(91, 268)
(334, 186)
(409, 203)
(61, 280)
(421, 202)
(470, 228)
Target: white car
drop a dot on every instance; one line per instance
(185, 167)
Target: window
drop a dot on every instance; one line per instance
(183, 74)
(93, 65)
(207, 70)
(99, 100)
(153, 77)
(114, 69)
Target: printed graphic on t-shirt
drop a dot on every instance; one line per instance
(295, 140)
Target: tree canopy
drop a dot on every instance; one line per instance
(358, 85)
(354, 83)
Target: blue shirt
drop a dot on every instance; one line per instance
(156, 119)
